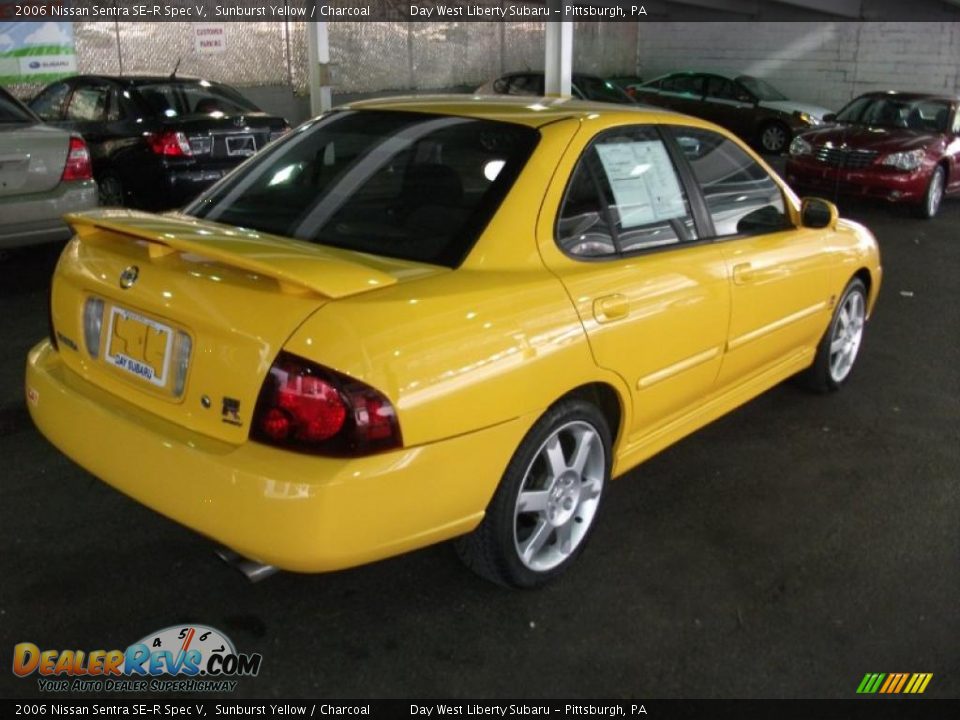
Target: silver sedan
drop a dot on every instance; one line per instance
(44, 173)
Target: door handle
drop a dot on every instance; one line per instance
(611, 307)
(743, 274)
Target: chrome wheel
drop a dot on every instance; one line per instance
(935, 193)
(559, 496)
(847, 334)
(774, 138)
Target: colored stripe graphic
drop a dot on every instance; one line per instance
(894, 683)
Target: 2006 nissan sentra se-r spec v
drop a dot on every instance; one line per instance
(425, 318)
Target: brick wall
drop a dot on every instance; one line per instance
(825, 63)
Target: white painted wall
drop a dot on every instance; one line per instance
(825, 63)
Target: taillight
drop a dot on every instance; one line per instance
(169, 144)
(78, 165)
(304, 406)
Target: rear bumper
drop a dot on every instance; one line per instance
(38, 218)
(297, 512)
(877, 183)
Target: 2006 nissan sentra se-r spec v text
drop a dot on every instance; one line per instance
(427, 318)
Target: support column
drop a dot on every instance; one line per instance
(558, 58)
(318, 59)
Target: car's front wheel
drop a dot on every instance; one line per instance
(840, 345)
(934, 195)
(547, 502)
(774, 138)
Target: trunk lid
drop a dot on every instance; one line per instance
(193, 313)
(31, 158)
(228, 137)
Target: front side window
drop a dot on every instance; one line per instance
(398, 184)
(624, 197)
(721, 88)
(741, 197)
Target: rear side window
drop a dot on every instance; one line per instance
(741, 196)
(398, 184)
(49, 103)
(624, 197)
(686, 84)
(89, 103)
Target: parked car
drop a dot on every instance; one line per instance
(157, 141)
(422, 318)
(584, 87)
(748, 106)
(44, 173)
(895, 146)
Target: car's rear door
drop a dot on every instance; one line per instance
(619, 232)
(778, 272)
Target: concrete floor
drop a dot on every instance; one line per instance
(782, 552)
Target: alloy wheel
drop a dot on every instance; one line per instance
(847, 334)
(559, 496)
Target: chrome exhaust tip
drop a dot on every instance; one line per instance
(254, 571)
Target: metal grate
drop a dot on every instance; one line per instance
(847, 158)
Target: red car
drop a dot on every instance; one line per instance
(894, 146)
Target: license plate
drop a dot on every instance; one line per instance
(241, 146)
(139, 346)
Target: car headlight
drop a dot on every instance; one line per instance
(809, 119)
(799, 146)
(907, 160)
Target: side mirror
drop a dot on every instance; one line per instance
(830, 117)
(818, 213)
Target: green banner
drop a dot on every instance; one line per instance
(36, 52)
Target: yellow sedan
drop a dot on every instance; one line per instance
(419, 319)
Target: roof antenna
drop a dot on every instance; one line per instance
(175, 68)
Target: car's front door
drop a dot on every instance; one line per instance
(652, 295)
(728, 103)
(778, 272)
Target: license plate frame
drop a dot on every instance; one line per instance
(241, 145)
(132, 366)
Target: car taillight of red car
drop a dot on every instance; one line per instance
(309, 408)
(78, 165)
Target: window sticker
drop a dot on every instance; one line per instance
(644, 184)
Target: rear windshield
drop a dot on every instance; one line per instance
(173, 99)
(397, 184)
(11, 111)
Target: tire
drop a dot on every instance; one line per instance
(838, 349)
(110, 192)
(547, 502)
(933, 198)
(774, 138)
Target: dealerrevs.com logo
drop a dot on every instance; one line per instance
(181, 658)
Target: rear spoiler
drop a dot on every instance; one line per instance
(297, 266)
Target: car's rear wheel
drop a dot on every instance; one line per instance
(838, 349)
(774, 138)
(110, 191)
(547, 502)
(933, 198)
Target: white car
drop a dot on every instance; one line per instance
(44, 173)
